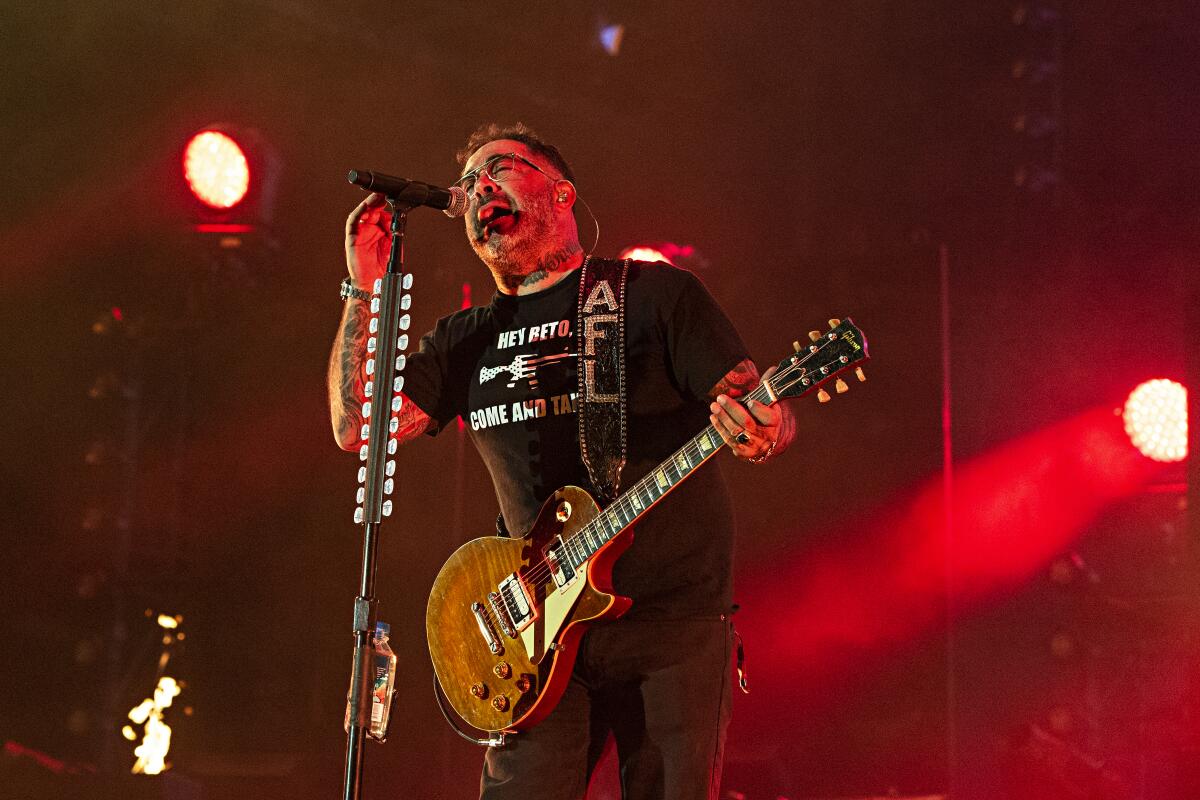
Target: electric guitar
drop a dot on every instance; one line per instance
(505, 615)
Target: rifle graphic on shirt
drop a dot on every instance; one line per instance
(523, 367)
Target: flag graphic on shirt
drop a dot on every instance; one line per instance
(523, 367)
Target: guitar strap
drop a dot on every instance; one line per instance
(600, 338)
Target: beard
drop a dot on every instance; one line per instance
(514, 255)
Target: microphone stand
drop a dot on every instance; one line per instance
(375, 482)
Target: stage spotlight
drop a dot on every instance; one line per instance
(683, 256)
(1156, 420)
(216, 169)
(231, 174)
(643, 253)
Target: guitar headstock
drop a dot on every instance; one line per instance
(823, 359)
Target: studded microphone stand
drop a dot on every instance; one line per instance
(375, 477)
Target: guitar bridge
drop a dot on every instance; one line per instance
(485, 628)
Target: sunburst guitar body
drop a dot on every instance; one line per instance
(494, 587)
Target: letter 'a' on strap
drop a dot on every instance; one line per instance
(600, 334)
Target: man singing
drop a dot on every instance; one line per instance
(658, 678)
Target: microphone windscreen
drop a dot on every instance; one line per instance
(458, 202)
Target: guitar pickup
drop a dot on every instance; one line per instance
(560, 569)
(512, 606)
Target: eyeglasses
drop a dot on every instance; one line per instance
(498, 168)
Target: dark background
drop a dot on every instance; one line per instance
(825, 158)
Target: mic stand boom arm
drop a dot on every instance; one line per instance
(375, 480)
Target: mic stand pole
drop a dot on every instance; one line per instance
(372, 506)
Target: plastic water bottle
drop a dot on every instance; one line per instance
(383, 671)
(382, 674)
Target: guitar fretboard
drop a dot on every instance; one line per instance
(638, 499)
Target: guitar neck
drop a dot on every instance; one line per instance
(830, 354)
(654, 486)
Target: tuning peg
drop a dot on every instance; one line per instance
(822, 396)
(796, 346)
(862, 376)
(841, 386)
(814, 335)
(833, 323)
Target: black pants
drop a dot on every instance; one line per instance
(662, 689)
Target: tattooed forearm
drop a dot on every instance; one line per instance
(347, 374)
(412, 421)
(738, 381)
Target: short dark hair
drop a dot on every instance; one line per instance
(518, 132)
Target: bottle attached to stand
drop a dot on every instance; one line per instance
(383, 686)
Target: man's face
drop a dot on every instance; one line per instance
(512, 218)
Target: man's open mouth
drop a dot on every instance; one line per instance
(489, 214)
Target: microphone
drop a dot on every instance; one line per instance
(453, 201)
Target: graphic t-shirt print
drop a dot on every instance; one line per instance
(511, 370)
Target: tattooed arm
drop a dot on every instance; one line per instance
(770, 428)
(367, 245)
(347, 376)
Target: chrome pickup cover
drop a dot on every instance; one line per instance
(516, 602)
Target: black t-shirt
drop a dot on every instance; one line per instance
(509, 369)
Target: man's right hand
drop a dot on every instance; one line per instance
(368, 241)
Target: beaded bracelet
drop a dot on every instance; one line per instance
(758, 459)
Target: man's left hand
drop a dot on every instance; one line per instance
(751, 430)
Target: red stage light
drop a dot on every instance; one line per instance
(642, 253)
(683, 256)
(1156, 420)
(216, 169)
(1014, 509)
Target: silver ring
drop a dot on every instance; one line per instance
(742, 438)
